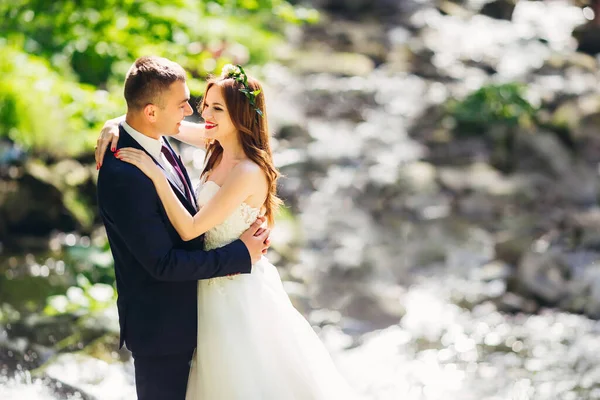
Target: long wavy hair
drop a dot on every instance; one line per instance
(253, 134)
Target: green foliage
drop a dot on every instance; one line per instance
(46, 113)
(93, 262)
(84, 298)
(88, 264)
(92, 40)
(23, 296)
(72, 52)
(492, 105)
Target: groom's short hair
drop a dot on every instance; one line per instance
(148, 78)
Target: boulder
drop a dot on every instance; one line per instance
(30, 206)
(543, 274)
(499, 9)
(588, 38)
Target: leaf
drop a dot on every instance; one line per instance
(245, 77)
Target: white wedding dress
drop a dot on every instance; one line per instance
(252, 343)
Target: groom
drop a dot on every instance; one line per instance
(156, 271)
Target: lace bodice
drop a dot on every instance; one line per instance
(233, 226)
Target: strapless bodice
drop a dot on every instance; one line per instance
(233, 226)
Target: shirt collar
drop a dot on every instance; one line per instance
(152, 146)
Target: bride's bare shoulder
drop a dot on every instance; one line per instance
(248, 167)
(250, 171)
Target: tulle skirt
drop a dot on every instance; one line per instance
(254, 345)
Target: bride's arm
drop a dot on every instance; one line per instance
(189, 132)
(241, 182)
(243, 179)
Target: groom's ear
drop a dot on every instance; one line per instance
(150, 112)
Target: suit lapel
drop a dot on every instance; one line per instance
(125, 140)
(183, 169)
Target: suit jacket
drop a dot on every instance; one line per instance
(156, 271)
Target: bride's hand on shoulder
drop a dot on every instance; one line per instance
(109, 136)
(141, 160)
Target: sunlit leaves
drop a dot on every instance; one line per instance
(79, 51)
(84, 298)
(46, 113)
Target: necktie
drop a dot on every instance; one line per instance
(171, 159)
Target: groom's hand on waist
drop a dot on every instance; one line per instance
(256, 239)
(261, 231)
(267, 241)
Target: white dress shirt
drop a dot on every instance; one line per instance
(153, 147)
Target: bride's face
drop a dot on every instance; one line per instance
(218, 122)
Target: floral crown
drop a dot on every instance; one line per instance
(236, 72)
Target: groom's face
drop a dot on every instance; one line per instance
(175, 107)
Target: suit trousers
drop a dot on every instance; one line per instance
(162, 377)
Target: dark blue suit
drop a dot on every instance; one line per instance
(156, 274)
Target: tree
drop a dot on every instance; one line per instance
(84, 47)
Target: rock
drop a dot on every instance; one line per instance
(499, 9)
(510, 248)
(420, 192)
(11, 154)
(366, 38)
(31, 206)
(579, 186)
(512, 303)
(89, 374)
(577, 117)
(422, 64)
(445, 150)
(380, 312)
(586, 135)
(476, 206)
(106, 348)
(399, 59)
(494, 270)
(544, 274)
(358, 8)
(429, 206)
(45, 331)
(293, 136)
(584, 228)
(16, 355)
(399, 56)
(37, 199)
(478, 177)
(559, 63)
(340, 64)
(542, 152)
(591, 305)
(338, 102)
(447, 7)
(418, 177)
(588, 38)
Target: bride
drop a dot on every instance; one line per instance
(252, 343)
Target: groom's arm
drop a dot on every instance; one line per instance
(131, 205)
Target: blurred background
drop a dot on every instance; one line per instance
(441, 158)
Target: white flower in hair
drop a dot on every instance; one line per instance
(229, 70)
